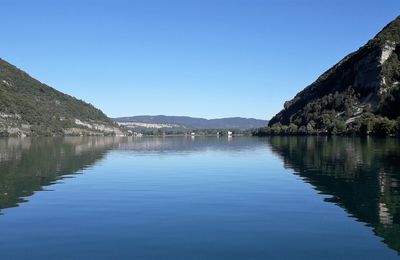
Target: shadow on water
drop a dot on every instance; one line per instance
(29, 164)
(361, 175)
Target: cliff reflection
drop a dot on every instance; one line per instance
(29, 164)
(361, 175)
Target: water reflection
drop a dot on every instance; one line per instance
(361, 175)
(29, 164)
(190, 144)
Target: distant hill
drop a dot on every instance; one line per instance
(185, 122)
(360, 94)
(29, 107)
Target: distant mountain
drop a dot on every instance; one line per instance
(360, 94)
(185, 122)
(29, 107)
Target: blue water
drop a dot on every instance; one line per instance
(202, 198)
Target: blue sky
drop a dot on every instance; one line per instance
(204, 58)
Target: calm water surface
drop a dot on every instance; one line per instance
(201, 198)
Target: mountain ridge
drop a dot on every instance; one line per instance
(29, 108)
(363, 86)
(187, 122)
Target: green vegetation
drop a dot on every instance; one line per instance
(360, 95)
(337, 114)
(391, 103)
(391, 32)
(31, 108)
(366, 124)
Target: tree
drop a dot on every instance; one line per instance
(384, 126)
(292, 129)
(310, 127)
(276, 129)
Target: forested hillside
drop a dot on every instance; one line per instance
(359, 95)
(28, 107)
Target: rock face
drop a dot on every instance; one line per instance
(367, 80)
(28, 108)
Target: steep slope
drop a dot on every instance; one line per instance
(28, 107)
(185, 122)
(364, 83)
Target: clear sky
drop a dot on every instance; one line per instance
(204, 58)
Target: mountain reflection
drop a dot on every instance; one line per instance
(190, 144)
(29, 164)
(361, 175)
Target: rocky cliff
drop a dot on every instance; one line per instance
(365, 81)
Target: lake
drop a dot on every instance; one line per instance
(200, 198)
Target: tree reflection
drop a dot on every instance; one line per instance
(29, 164)
(361, 174)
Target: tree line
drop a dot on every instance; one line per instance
(366, 124)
